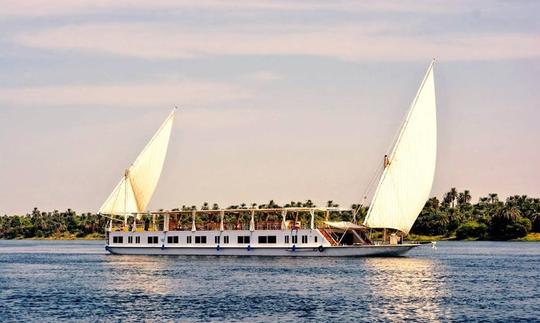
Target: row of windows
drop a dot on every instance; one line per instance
(217, 239)
(202, 239)
(295, 239)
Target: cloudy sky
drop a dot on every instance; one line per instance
(280, 100)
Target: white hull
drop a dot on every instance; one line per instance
(338, 251)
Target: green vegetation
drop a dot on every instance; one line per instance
(52, 225)
(455, 217)
(489, 219)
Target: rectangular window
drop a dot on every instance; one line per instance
(294, 239)
(226, 239)
(172, 239)
(130, 239)
(137, 239)
(304, 239)
(188, 239)
(315, 239)
(267, 239)
(152, 240)
(118, 239)
(200, 239)
(286, 239)
(243, 239)
(216, 239)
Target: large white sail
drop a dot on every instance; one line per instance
(406, 181)
(135, 189)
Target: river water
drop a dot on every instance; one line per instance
(457, 281)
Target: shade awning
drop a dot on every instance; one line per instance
(344, 225)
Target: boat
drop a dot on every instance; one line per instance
(403, 188)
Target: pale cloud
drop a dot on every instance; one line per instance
(263, 76)
(40, 8)
(346, 42)
(155, 94)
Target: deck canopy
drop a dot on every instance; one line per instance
(344, 225)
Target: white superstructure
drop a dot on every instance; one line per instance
(403, 189)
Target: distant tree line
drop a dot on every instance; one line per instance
(454, 216)
(54, 224)
(489, 218)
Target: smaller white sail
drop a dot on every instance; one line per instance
(406, 181)
(134, 191)
(122, 200)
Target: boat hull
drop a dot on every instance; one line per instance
(337, 251)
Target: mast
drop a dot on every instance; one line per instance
(408, 172)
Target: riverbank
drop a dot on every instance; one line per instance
(67, 236)
(533, 236)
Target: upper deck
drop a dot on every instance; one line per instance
(278, 223)
(230, 219)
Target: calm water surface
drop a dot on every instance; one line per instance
(458, 281)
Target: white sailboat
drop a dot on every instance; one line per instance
(409, 170)
(402, 191)
(135, 189)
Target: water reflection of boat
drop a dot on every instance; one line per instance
(402, 190)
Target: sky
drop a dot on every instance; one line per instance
(279, 100)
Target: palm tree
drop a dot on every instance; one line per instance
(467, 196)
(504, 218)
(453, 195)
(493, 197)
(432, 203)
